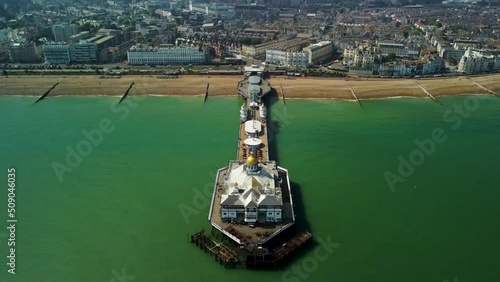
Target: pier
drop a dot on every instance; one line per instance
(47, 93)
(126, 92)
(252, 211)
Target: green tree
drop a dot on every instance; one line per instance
(255, 41)
(391, 57)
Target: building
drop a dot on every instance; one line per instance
(63, 32)
(319, 52)
(139, 55)
(104, 44)
(361, 58)
(477, 61)
(395, 48)
(259, 51)
(83, 52)
(432, 66)
(23, 53)
(287, 59)
(56, 53)
(463, 44)
(398, 49)
(251, 192)
(80, 36)
(448, 53)
(397, 69)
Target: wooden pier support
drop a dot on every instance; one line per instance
(429, 94)
(232, 255)
(126, 92)
(354, 94)
(206, 93)
(221, 253)
(47, 93)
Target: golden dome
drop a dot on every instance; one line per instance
(251, 160)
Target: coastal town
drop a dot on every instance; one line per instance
(320, 38)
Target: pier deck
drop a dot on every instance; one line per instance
(243, 88)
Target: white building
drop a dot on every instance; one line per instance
(138, 55)
(288, 59)
(319, 52)
(396, 69)
(477, 61)
(362, 58)
(399, 49)
(388, 48)
(432, 66)
(250, 192)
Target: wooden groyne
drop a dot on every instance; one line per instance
(484, 88)
(429, 94)
(283, 94)
(126, 92)
(47, 93)
(206, 93)
(355, 96)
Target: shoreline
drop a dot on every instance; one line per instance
(233, 96)
(221, 85)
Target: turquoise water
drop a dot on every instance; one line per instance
(130, 204)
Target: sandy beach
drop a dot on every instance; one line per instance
(336, 88)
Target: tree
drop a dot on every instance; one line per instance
(255, 41)
(391, 57)
(452, 61)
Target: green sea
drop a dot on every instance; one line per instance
(118, 206)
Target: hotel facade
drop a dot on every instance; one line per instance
(139, 55)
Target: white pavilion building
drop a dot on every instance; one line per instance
(252, 192)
